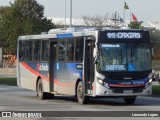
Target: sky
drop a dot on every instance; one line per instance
(144, 10)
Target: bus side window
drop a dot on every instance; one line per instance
(45, 50)
(28, 50)
(70, 50)
(79, 49)
(36, 51)
(61, 51)
(21, 51)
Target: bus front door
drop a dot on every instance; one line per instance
(88, 66)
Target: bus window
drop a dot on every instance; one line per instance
(21, 51)
(37, 49)
(70, 50)
(28, 50)
(45, 50)
(55, 52)
(62, 48)
(79, 49)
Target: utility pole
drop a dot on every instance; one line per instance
(115, 19)
(65, 15)
(70, 13)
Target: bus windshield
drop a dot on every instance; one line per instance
(124, 57)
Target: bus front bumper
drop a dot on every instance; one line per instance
(122, 91)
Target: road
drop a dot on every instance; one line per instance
(14, 98)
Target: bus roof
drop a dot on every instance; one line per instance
(58, 35)
(75, 32)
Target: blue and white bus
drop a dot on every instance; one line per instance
(86, 63)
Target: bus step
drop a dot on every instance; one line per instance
(53, 92)
(88, 94)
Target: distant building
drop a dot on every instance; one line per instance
(152, 24)
(80, 22)
(61, 21)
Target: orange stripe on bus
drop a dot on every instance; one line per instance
(43, 76)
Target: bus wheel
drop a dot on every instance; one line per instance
(40, 93)
(82, 99)
(130, 100)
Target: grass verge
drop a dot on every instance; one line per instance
(8, 81)
(156, 90)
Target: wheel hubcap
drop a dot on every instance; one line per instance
(80, 92)
(40, 90)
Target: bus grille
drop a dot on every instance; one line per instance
(120, 90)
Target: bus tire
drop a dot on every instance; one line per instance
(130, 100)
(40, 92)
(82, 99)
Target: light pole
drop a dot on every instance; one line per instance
(65, 15)
(70, 13)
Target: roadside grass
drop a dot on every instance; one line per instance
(8, 81)
(156, 90)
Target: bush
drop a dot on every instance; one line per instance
(8, 81)
(156, 90)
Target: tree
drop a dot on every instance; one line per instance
(103, 21)
(97, 20)
(23, 17)
(135, 24)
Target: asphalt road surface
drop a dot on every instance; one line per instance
(14, 98)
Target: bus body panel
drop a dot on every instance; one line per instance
(67, 75)
(29, 76)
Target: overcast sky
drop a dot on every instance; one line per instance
(145, 10)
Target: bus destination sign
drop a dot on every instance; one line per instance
(124, 35)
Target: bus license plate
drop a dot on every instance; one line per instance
(127, 91)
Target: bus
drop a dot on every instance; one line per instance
(86, 63)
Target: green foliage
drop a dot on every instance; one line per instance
(8, 81)
(23, 17)
(135, 25)
(156, 90)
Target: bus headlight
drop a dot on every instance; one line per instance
(105, 84)
(148, 83)
(150, 80)
(102, 82)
